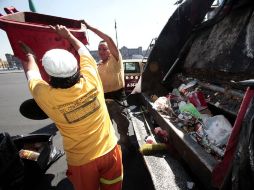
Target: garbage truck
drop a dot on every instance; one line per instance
(201, 100)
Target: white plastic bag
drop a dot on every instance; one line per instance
(161, 104)
(218, 130)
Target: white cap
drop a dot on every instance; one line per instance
(59, 63)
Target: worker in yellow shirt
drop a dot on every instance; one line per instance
(111, 71)
(74, 100)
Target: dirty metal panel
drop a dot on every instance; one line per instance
(225, 50)
(170, 41)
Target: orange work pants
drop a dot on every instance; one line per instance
(103, 173)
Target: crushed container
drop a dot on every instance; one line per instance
(33, 29)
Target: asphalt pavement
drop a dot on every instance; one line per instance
(13, 93)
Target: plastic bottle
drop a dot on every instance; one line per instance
(29, 154)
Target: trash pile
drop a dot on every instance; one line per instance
(186, 107)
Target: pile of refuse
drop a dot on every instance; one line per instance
(24, 159)
(186, 107)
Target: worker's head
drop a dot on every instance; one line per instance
(62, 68)
(103, 51)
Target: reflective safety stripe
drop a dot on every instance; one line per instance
(112, 181)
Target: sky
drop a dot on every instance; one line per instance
(137, 21)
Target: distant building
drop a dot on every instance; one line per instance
(13, 62)
(95, 55)
(3, 64)
(127, 53)
(138, 56)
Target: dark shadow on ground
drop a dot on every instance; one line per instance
(44, 183)
(136, 175)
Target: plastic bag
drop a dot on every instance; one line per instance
(42, 144)
(161, 104)
(190, 108)
(11, 166)
(18, 173)
(218, 130)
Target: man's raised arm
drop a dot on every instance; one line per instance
(65, 33)
(111, 44)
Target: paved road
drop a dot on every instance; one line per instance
(13, 92)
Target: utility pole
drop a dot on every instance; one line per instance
(31, 6)
(116, 35)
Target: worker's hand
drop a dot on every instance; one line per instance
(61, 30)
(26, 49)
(85, 23)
